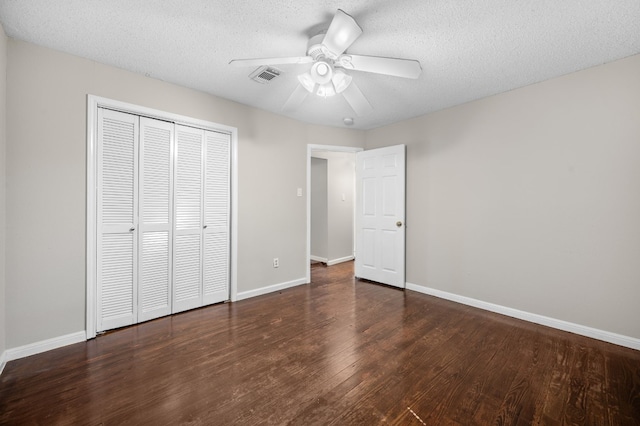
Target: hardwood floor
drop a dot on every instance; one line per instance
(336, 352)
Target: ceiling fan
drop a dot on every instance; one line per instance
(327, 75)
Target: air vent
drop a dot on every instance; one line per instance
(264, 75)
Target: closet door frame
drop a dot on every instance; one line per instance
(95, 102)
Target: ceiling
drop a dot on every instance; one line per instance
(467, 49)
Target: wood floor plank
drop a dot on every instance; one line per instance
(336, 352)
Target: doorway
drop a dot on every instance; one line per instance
(332, 231)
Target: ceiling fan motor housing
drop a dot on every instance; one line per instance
(314, 46)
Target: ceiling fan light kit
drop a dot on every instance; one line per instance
(325, 80)
(326, 90)
(321, 72)
(307, 81)
(341, 80)
(326, 77)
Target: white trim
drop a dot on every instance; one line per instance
(340, 260)
(98, 101)
(310, 148)
(332, 261)
(3, 361)
(93, 103)
(45, 345)
(594, 333)
(270, 289)
(233, 273)
(90, 249)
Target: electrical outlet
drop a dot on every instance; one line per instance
(276, 262)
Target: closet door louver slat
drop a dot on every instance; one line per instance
(187, 267)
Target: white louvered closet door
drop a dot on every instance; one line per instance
(117, 195)
(187, 266)
(155, 219)
(216, 217)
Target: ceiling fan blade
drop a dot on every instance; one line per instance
(296, 98)
(407, 68)
(342, 32)
(356, 100)
(271, 61)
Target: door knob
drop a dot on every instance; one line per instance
(204, 227)
(398, 224)
(132, 229)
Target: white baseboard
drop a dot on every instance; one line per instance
(270, 289)
(594, 333)
(3, 360)
(340, 260)
(318, 259)
(45, 345)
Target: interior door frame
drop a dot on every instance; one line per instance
(95, 102)
(310, 149)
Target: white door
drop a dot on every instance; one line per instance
(380, 211)
(217, 211)
(202, 197)
(117, 212)
(155, 219)
(187, 267)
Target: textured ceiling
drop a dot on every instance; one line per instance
(467, 49)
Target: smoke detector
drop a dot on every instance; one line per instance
(264, 74)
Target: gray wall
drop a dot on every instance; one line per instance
(46, 167)
(528, 199)
(341, 183)
(531, 199)
(340, 213)
(319, 210)
(3, 143)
